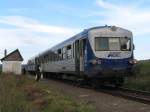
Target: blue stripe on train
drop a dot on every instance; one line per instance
(115, 64)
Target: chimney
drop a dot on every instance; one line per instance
(5, 53)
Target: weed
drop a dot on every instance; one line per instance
(22, 94)
(142, 79)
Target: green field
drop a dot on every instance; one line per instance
(22, 94)
(142, 79)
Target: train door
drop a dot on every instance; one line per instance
(77, 56)
(82, 53)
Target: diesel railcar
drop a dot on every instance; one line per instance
(101, 54)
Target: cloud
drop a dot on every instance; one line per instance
(129, 16)
(133, 15)
(106, 5)
(30, 35)
(33, 25)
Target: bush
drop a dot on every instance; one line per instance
(141, 80)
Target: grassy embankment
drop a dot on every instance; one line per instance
(142, 79)
(22, 94)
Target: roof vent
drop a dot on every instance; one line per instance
(113, 28)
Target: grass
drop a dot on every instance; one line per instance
(142, 79)
(22, 94)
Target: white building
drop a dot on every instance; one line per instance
(11, 63)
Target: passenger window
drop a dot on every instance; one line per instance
(69, 53)
(59, 54)
(72, 50)
(53, 56)
(64, 53)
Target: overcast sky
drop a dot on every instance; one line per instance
(36, 25)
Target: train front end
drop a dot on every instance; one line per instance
(110, 52)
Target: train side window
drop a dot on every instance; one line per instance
(49, 59)
(69, 53)
(64, 53)
(55, 56)
(52, 57)
(73, 50)
(45, 59)
(59, 54)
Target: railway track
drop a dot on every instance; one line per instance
(135, 95)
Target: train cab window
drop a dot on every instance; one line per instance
(114, 44)
(101, 43)
(125, 43)
(69, 53)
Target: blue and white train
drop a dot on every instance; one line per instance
(98, 54)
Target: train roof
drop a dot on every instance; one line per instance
(72, 39)
(80, 35)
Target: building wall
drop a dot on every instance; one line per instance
(11, 66)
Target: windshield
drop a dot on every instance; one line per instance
(112, 43)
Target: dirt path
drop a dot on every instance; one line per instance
(102, 102)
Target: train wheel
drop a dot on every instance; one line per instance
(119, 82)
(95, 83)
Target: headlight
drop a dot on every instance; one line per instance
(99, 62)
(94, 62)
(133, 61)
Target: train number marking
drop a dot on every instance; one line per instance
(114, 54)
